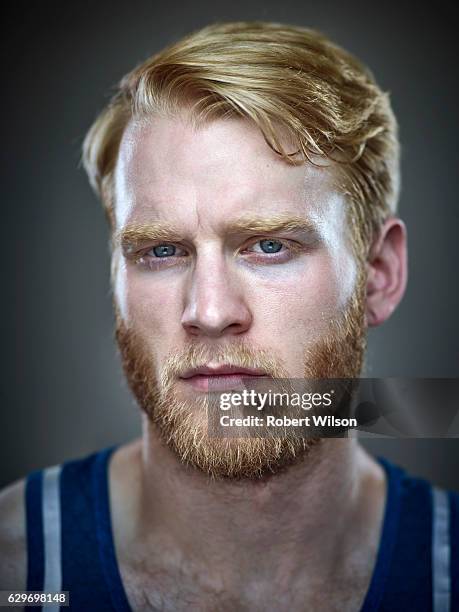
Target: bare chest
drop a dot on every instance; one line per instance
(161, 590)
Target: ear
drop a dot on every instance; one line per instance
(387, 271)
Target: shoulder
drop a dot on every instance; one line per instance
(13, 549)
(76, 476)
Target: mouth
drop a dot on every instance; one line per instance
(220, 378)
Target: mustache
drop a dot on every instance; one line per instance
(238, 354)
(136, 354)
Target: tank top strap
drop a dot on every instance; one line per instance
(441, 551)
(63, 540)
(43, 514)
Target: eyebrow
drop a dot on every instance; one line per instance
(135, 234)
(266, 225)
(139, 233)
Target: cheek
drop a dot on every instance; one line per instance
(151, 310)
(298, 302)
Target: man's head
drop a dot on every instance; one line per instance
(250, 176)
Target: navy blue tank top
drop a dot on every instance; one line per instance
(71, 547)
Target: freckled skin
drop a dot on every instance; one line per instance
(203, 178)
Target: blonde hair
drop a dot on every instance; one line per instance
(281, 77)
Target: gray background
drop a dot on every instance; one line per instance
(62, 394)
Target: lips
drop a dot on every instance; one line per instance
(221, 371)
(219, 378)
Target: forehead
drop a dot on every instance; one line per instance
(170, 169)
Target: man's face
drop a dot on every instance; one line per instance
(228, 251)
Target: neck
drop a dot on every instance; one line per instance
(312, 512)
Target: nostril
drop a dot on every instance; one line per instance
(216, 327)
(192, 329)
(236, 327)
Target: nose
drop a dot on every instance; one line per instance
(214, 305)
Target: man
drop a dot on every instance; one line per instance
(250, 177)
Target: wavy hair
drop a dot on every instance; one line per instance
(283, 78)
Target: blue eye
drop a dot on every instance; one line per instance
(164, 250)
(270, 246)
